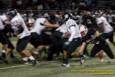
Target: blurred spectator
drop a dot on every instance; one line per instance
(40, 7)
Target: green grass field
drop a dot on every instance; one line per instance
(91, 68)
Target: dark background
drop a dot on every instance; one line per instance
(55, 4)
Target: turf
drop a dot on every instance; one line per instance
(91, 68)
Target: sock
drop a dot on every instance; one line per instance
(66, 61)
(12, 55)
(3, 51)
(31, 58)
(25, 58)
(3, 54)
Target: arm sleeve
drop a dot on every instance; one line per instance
(99, 21)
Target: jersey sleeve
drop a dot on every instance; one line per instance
(99, 21)
(70, 23)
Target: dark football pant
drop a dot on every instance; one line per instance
(57, 45)
(102, 45)
(109, 36)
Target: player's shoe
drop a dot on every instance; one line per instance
(111, 61)
(33, 62)
(81, 59)
(66, 65)
(24, 62)
(4, 60)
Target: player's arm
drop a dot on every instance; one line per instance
(7, 22)
(100, 25)
(97, 33)
(49, 25)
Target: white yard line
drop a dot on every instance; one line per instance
(10, 67)
(23, 65)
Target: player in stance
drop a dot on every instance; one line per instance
(23, 34)
(38, 39)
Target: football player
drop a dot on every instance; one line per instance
(23, 34)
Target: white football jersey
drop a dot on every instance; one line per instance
(73, 29)
(62, 28)
(2, 19)
(38, 26)
(105, 25)
(18, 21)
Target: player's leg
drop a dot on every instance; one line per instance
(111, 38)
(69, 49)
(10, 48)
(21, 48)
(37, 42)
(3, 40)
(80, 52)
(96, 48)
(108, 51)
